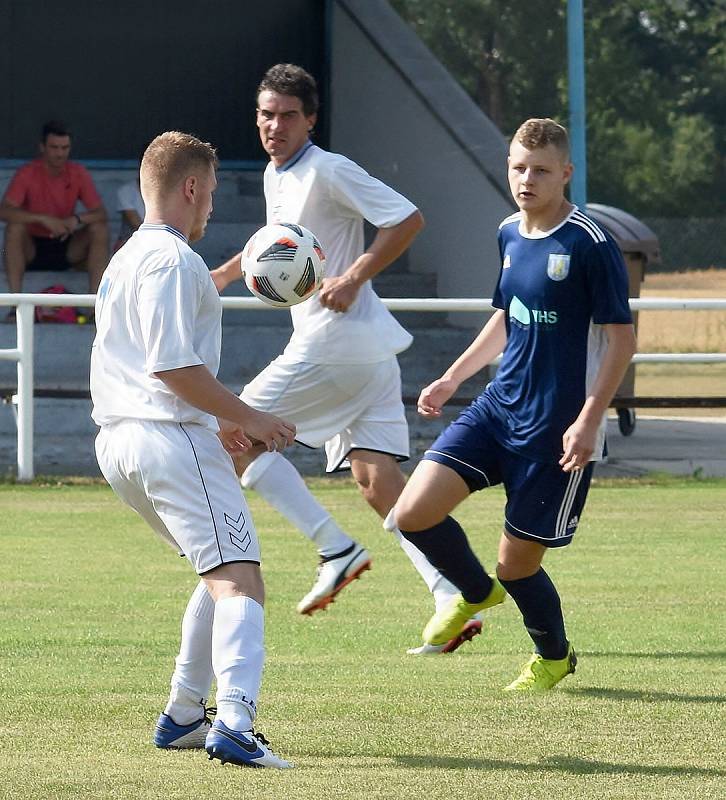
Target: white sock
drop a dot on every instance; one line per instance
(238, 654)
(442, 589)
(192, 678)
(281, 485)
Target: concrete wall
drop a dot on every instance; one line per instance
(398, 113)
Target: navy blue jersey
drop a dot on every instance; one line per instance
(557, 290)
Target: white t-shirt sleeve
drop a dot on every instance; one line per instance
(168, 300)
(353, 188)
(128, 198)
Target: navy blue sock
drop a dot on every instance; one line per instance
(537, 599)
(446, 547)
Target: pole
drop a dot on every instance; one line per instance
(576, 93)
(25, 313)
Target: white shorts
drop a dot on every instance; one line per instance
(344, 407)
(181, 480)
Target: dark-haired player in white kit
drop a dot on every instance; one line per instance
(160, 408)
(338, 379)
(565, 327)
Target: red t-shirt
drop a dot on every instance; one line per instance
(33, 188)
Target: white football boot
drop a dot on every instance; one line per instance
(334, 573)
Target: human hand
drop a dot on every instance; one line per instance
(338, 294)
(72, 223)
(60, 228)
(267, 429)
(433, 398)
(578, 443)
(233, 438)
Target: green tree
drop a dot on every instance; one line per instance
(656, 77)
(481, 43)
(656, 87)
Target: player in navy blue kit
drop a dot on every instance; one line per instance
(564, 327)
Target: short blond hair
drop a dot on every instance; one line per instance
(170, 158)
(536, 133)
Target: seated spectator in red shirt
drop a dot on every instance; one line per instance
(45, 228)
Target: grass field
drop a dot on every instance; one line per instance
(89, 623)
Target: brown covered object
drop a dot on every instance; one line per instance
(640, 248)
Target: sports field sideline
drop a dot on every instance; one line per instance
(89, 626)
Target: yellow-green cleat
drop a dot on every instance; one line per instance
(448, 621)
(541, 674)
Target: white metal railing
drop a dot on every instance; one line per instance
(25, 311)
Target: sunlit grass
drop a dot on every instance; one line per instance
(89, 624)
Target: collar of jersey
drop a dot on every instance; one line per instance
(152, 226)
(545, 234)
(290, 163)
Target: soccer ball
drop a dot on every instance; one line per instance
(283, 264)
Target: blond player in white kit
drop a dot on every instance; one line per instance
(160, 407)
(338, 379)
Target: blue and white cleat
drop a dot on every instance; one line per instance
(244, 748)
(170, 736)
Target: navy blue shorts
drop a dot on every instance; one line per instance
(50, 255)
(544, 503)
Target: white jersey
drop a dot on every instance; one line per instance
(331, 196)
(157, 309)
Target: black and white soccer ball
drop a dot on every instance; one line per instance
(283, 264)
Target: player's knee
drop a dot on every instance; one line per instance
(234, 579)
(518, 558)
(411, 516)
(366, 486)
(250, 467)
(380, 483)
(15, 232)
(98, 228)
(377, 493)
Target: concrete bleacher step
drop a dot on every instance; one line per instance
(64, 432)
(65, 435)
(62, 352)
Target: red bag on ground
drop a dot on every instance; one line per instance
(61, 314)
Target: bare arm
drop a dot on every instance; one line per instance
(578, 441)
(59, 227)
(198, 387)
(339, 293)
(13, 213)
(76, 221)
(89, 217)
(131, 218)
(482, 351)
(229, 271)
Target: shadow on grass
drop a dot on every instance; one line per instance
(568, 764)
(645, 695)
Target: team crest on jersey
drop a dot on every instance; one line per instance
(558, 266)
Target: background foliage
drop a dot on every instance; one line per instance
(656, 87)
